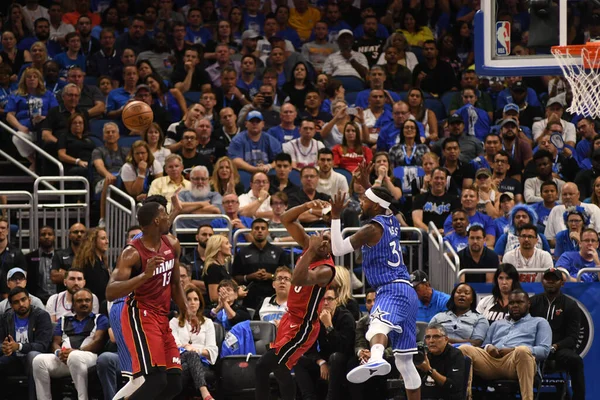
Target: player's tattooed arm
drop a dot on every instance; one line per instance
(368, 234)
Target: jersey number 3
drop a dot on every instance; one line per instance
(396, 255)
(167, 278)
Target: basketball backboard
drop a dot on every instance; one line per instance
(513, 41)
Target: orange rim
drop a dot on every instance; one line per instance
(591, 58)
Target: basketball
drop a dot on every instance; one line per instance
(137, 116)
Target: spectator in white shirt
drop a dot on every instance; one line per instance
(346, 62)
(554, 111)
(257, 202)
(61, 304)
(275, 306)
(527, 255)
(330, 182)
(304, 149)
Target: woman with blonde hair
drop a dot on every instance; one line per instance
(489, 196)
(91, 259)
(199, 346)
(155, 138)
(27, 108)
(139, 170)
(39, 56)
(225, 178)
(343, 282)
(217, 256)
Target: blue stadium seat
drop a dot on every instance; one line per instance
(350, 83)
(447, 98)
(97, 141)
(192, 97)
(96, 126)
(90, 80)
(347, 174)
(295, 177)
(127, 141)
(437, 107)
(245, 178)
(351, 97)
(403, 95)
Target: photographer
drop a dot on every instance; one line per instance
(443, 367)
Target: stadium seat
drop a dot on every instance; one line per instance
(245, 178)
(192, 97)
(421, 327)
(437, 107)
(351, 97)
(90, 80)
(295, 177)
(350, 83)
(127, 141)
(96, 126)
(447, 98)
(97, 141)
(347, 174)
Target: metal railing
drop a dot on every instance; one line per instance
(59, 215)
(179, 230)
(19, 214)
(444, 263)
(40, 151)
(470, 271)
(119, 216)
(584, 270)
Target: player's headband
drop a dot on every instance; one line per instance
(376, 199)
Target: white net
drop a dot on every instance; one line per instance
(580, 66)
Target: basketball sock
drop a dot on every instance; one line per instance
(377, 352)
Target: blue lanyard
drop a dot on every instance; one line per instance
(407, 159)
(513, 150)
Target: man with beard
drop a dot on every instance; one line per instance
(61, 304)
(459, 238)
(520, 215)
(190, 156)
(63, 258)
(39, 263)
(505, 183)
(26, 333)
(89, 44)
(527, 255)
(196, 258)
(476, 255)
(543, 167)
(513, 346)
(434, 205)
(136, 38)
(586, 178)
(199, 199)
(468, 201)
(77, 341)
(513, 143)
(17, 277)
(470, 146)
(564, 316)
(255, 265)
(369, 45)
(42, 34)
(587, 128)
(330, 181)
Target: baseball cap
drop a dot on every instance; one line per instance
(503, 196)
(508, 121)
(250, 34)
(557, 273)
(455, 118)
(559, 99)
(483, 171)
(519, 86)
(345, 31)
(254, 114)
(418, 277)
(141, 87)
(15, 270)
(511, 107)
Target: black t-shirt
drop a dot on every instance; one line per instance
(511, 185)
(299, 197)
(62, 259)
(96, 279)
(215, 274)
(439, 80)
(199, 78)
(76, 147)
(462, 171)
(436, 208)
(274, 186)
(370, 47)
(489, 259)
(198, 159)
(213, 150)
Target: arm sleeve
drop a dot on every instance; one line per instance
(529, 192)
(455, 376)
(236, 150)
(543, 340)
(339, 246)
(343, 335)
(500, 245)
(173, 324)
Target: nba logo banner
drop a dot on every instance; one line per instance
(502, 38)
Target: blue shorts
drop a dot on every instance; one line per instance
(396, 305)
(115, 323)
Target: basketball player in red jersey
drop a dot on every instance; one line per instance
(148, 273)
(299, 327)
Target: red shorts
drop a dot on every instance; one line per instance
(294, 339)
(149, 340)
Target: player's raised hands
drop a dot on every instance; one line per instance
(314, 242)
(363, 172)
(338, 202)
(152, 264)
(176, 206)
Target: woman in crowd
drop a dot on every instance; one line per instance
(489, 196)
(217, 256)
(416, 105)
(576, 219)
(224, 35)
(199, 346)
(332, 131)
(415, 34)
(405, 57)
(27, 108)
(75, 147)
(383, 175)
(236, 21)
(595, 199)
(110, 19)
(140, 170)
(343, 282)
(299, 84)
(225, 178)
(322, 81)
(464, 43)
(105, 86)
(351, 152)
(15, 22)
(447, 51)
(409, 151)
(462, 321)
(145, 69)
(495, 306)
(12, 56)
(334, 91)
(155, 138)
(91, 259)
(228, 310)
(170, 99)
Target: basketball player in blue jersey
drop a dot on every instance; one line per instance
(394, 313)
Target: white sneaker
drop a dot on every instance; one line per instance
(356, 283)
(363, 372)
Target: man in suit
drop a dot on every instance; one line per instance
(39, 264)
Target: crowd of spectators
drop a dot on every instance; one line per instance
(267, 106)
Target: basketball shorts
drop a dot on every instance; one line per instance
(396, 305)
(115, 323)
(294, 339)
(149, 341)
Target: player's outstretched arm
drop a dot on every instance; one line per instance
(121, 283)
(289, 219)
(303, 276)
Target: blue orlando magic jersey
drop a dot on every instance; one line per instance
(383, 262)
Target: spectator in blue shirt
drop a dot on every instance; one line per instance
(517, 88)
(549, 190)
(252, 150)
(513, 346)
(42, 34)
(431, 301)
(586, 257)
(477, 120)
(389, 135)
(377, 78)
(254, 19)
(195, 32)
(287, 130)
(282, 15)
(72, 56)
(459, 238)
(468, 201)
(117, 98)
(334, 20)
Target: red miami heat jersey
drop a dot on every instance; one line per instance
(304, 302)
(155, 294)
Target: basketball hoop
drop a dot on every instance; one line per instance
(580, 65)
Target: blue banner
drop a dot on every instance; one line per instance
(587, 296)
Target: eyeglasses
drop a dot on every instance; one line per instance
(590, 241)
(574, 221)
(261, 182)
(283, 279)
(230, 202)
(434, 337)
(329, 298)
(528, 237)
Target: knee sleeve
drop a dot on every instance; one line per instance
(376, 327)
(406, 367)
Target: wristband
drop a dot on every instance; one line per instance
(141, 176)
(245, 279)
(56, 352)
(20, 346)
(430, 372)
(77, 161)
(322, 362)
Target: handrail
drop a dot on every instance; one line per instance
(21, 206)
(449, 251)
(44, 153)
(113, 189)
(118, 218)
(183, 217)
(584, 270)
(469, 271)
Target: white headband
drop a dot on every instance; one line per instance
(376, 199)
